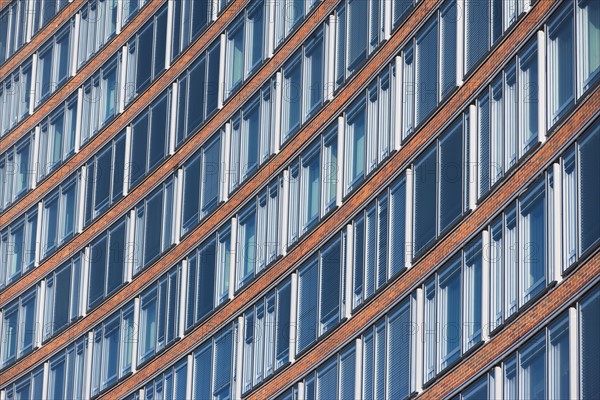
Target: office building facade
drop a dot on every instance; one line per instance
(299, 199)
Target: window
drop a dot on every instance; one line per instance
(496, 131)
(222, 365)
(425, 200)
(223, 264)
(171, 384)
(483, 144)
(449, 284)
(397, 217)
(59, 215)
(159, 315)
(329, 170)
(282, 325)
(426, 71)
(528, 98)
(451, 186)
(588, 165)
(146, 58)
(62, 302)
(558, 358)
(28, 387)
(561, 74)
(473, 289)
(198, 90)
(532, 240)
(16, 166)
(310, 169)
(18, 328)
(496, 273)
(399, 351)
(57, 137)
(330, 285)
(100, 98)
(66, 372)
(589, 351)
(477, 40)
(189, 20)
(312, 91)
(98, 22)
(244, 46)
(201, 283)
(153, 234)
(201, 184)
(246, 245)
(15, 96)
(588, 40)
(105, 174)
(307, 304)
(478, 390)
(355, 148)
(107, 264)
(532, 369)
(291, 97)
(448, 30)
(53, 63)
(149, 139)
(111, 358)
(18, 247)
(358, 21)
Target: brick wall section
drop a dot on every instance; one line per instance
(40, 37)
(26, 125)
(245, 297)
(525, 324)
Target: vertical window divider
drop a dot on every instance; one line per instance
(119, 22)
(36, 156)
(47, 373)
(173, 118)
(557, 220)
(270, 36)
(38, 235)
(293, 316)
(85, 277)
(387, 19)
(419, 340)
(329, 33)
(408, 229)
(233, 258)
(225, 156)
(130, 246)
(88, 367)
(30, 17)
(169, 39)
(472, 162)
(77, 144)
(124, 87)
(574, 381)
(178, 206)
(349, 267)
(82, 191)
(498, 382)
(277, 111)
(136, 325)
(398, 102)
(40, 295)
(221, 84)
(358, 367)
(239, 358)
(285, 202)
(460, 43)
(485, 285)
(75, 48)
(541, 60)
(340, 161)
(182, 298)
(127, 166)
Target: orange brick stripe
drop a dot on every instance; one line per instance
(26, 125)
(40, 37)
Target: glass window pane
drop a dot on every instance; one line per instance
(425, 200)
